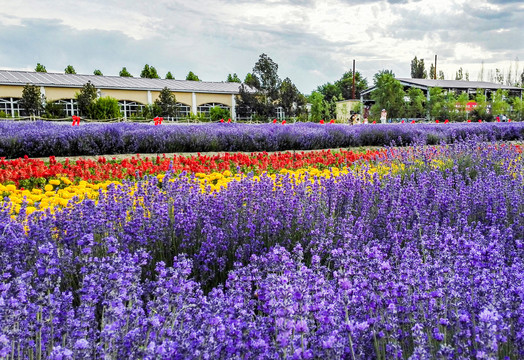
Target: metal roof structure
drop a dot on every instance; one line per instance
(425, 84)
(21, 78)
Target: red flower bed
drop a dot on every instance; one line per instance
(24, 169)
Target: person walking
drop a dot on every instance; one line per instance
(383, 116)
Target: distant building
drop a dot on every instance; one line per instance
(469, 87)
(196, 97)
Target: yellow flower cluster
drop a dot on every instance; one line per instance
(56, 194)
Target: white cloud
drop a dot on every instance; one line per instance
(313, 41)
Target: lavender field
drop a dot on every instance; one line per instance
(419, 255)
(42, 139)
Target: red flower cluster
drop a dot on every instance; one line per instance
(102, 169)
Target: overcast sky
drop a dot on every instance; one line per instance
(312, 41)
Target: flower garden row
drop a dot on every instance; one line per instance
(39, 139)
(418, 253)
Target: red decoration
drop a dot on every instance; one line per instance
(76, 120)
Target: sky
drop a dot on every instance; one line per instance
(312, 41)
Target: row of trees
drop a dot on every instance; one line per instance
(148, 72)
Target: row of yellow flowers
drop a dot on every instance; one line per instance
(59, 193)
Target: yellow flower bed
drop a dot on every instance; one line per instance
(58, 193)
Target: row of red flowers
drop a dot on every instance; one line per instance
(102, 169)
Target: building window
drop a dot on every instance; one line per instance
(69, 106)
(10, 107)
(183, 111)
(130, 108)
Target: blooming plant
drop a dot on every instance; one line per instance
(421, 259)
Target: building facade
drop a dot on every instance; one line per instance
(193, 97)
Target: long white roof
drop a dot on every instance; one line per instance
(15, 77)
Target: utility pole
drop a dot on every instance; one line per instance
(353, 79)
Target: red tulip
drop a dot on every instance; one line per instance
(469, 120)
(436, 121)
(284, 122)
(274, 121)
(332, 121)
(322, 121)
(374, 122)
(412, 121)
(221, 120)
(480, 120)
(228, 121)
(402, 121)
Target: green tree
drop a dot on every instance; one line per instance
(436, 102)
(167, 103)
(389, 94)
(290, 98)
(499, 104)
(266, 72)
(418, 69)
(97, 72)
(441, 75)
(31, 100)
(233, 78)
(216, 113)
(518, 107)
(170, 76)
(192, 77)
(40, 68)
(481, 109)
(149, 72)
(459, 75)
(248, 101)
(345, 84)
(251, 81)
(54, 110)
(319, 106)
(69, 69)
(332, 94)
(125, 73)
(432, 73)
(415, 106)
(85, 99)
(105, 108)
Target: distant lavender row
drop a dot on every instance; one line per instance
(427, 263)
(44, 139)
